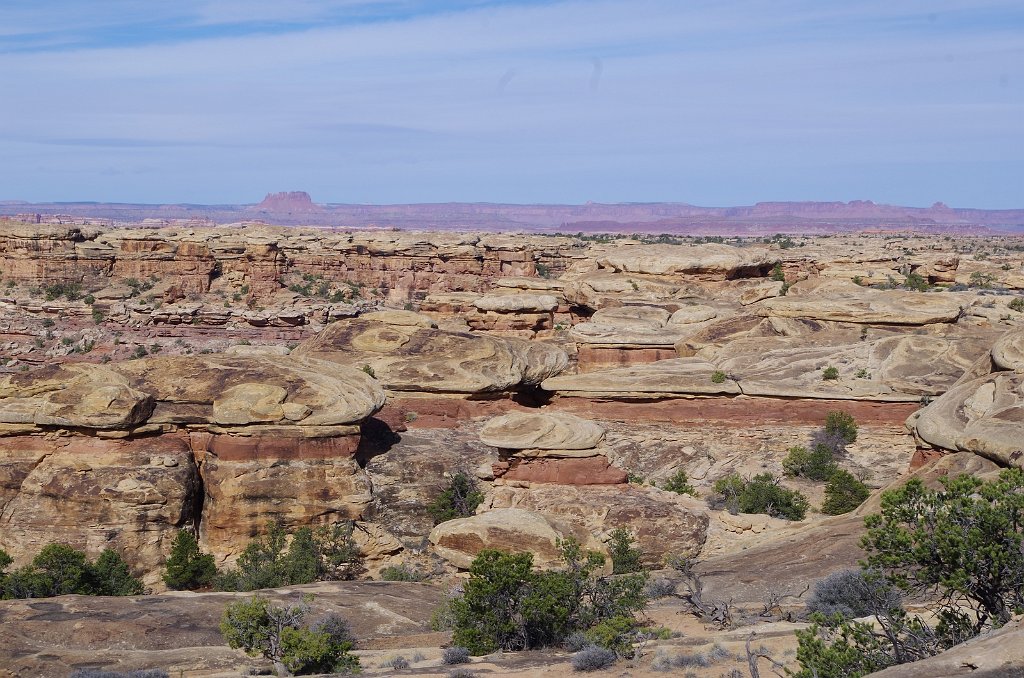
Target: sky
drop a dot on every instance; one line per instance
(710, 102)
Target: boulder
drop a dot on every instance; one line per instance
(983, 415)
(508, 529)
(690, 315)
(541, 431)
(517, 303)
(707, 261)
(80, 395)
(662, 522)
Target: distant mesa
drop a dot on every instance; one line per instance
(288, 201)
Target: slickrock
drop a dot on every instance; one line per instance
(509, 529)
(712, 262)
(408, 358)
(894, 369)
(845, 302)
(679, 377)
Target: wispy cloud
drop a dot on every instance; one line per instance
(392, 100)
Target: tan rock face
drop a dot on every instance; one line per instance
(407, 358)
(1008, 351)
(510, 529)
(541, 430)
(984, 416)
(662, 522)
(130, 495)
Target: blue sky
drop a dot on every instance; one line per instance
(380, 101)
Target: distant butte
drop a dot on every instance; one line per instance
(288, 202)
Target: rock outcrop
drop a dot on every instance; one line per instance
(509, 529)
(140, 450)
(428, 360)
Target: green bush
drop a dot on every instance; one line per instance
(680, 484)
(59, 569)
(259, 628)
(816, 464)
(458, 500)
(843, 493)
(327, 553)
(777, 273)
(916, 283)
(841, 424)
(830, 374)
(959, 546)
(761, 494)
(625, 558)
(188, 568)
(1017, 305)
(401, 573)
(507, 605)
(718, 377)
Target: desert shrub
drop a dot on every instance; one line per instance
(625, 558)
(960, 545)
(401, 573)
(461, 673)
(963, 539)
(815, 464)
(397, 663)
(679, 483)
(1017, 305)
(760, 494)
(718, 377)
(327, 553)
(614, 633)
(843, 493)
(506, 605)
(830, 374)
(455, 655)
(916, 282)
(593, 658)
(575, 641)
(458, 500)
(777, 273)
(277, 633)
(659, 588)
(841, 424)
(111, 577)
(188, 568)
(853, 593)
